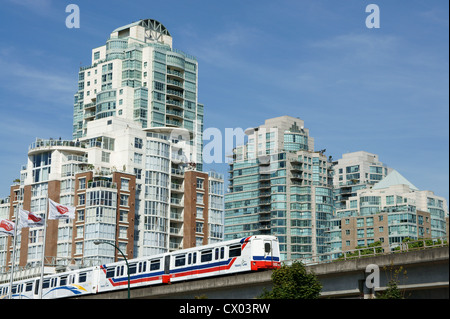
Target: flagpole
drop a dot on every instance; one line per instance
(43, 250)
(13, 257)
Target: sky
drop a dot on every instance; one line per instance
(382, 90)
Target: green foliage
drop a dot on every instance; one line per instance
(419, 244)
(368, 251)
(293, 282)
(393, 291)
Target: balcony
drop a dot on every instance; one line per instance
(175, 113)
(177, 187)
(173, 122)
(175, 93)
(175, 73)
(177, 172)
(177, 202)
(174, 102)
(176, 231)
(175, 83)
(102, 184)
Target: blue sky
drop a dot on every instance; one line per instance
(384, 91)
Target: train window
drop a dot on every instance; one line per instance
(235, 250)
(132, 268)
(142, 266)
(216, 253)
(155, 264)
(206, 255)
(53, 282)
(63, 280)
(82, 277)
(110, 272)
(267, 248)
(46, 283)
(194, 258)
(180, 260)
(14, 289)
(222, 252)
(119, 271)
(189, 258)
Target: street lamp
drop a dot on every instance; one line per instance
(98, 242)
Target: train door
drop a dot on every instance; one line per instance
(166, 276)
(268, 250)
(167, 265)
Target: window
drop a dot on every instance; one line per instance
(200, 198)
(123, 200)
(81, 199)
(199, 212)
(360, 222)
(105, 157)
(97, 55)
(123, 232)
(199, 227)
(138, 143)
(206, 256)
(360, 233)
(142, 266)
(234, 251)
(124, 184)
(180, 260)
(82, 183)
(123, 216)
(155, 264)
(200, 182)
(110, 273)
(80, 215)
(82, 277)
(137, 158)
(132, 268)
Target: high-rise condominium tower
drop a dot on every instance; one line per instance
(279, 185)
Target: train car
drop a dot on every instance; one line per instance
(143, 272)
(246, 254)
(60, 285)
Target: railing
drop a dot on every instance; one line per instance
(49, 143)
(372, 251)
(102, 183)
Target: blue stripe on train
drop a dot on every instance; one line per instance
(268, 258)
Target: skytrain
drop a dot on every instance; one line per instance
(252, 253)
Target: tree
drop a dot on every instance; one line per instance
(393, 291)
(293, 282)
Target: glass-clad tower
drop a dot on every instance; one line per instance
(279, 185)
(138, 75)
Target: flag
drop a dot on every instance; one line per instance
(58, 211)
(7, 227)
(28, 219)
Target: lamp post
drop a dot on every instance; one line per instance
(98, 242)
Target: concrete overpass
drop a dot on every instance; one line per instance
(427, 273)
